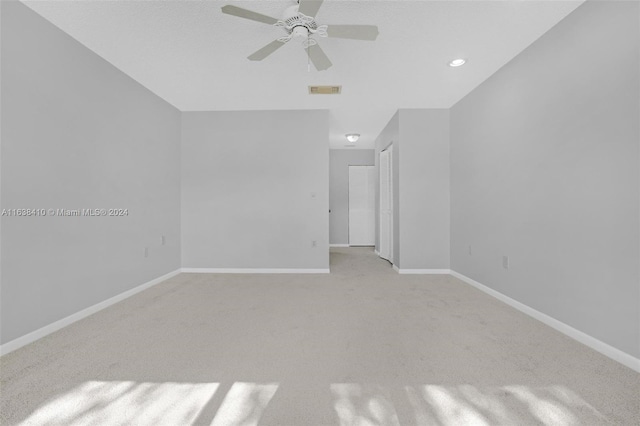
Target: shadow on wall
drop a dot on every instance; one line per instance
(171, 403)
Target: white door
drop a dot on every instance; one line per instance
(362, 206)
(386, 205)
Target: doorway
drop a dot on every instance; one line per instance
(362, 206)
(386, 204)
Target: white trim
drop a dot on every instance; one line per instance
(252, 271)
(395, 268)
(424, 271)
(376, 252)
(338, 245)
(57, 325)
(595, 344)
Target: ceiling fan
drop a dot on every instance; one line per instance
(298, 22)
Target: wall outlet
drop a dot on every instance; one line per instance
(146, 252)
(163, 240)
(505, 262)
(314, 243)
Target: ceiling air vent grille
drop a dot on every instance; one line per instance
(325, 90)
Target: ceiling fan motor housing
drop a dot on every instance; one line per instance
(299, 26)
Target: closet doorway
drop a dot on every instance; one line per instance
(386, 204)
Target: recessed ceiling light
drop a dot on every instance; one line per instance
(352, 137)
(457, 62)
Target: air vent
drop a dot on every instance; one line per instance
(325, 90)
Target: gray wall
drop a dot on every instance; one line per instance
(78, 133)
(339, 162)
(255, 189)
(421, 217)
(424, 189)
(545, 170)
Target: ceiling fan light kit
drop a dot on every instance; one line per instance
(298, 22)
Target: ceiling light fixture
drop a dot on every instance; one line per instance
(457, 62)
(352, 137)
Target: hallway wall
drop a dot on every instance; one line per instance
(420, 139)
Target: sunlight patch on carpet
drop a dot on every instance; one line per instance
(125, 402)
(363, 405)
(516, 404)
(244, 404)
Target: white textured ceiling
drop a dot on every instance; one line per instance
(194, 56)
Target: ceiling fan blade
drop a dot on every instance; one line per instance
(318, 57)
(248, 14)
(309, 7)
(355, 32)
(266, 51)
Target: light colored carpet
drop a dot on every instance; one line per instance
(361, 346)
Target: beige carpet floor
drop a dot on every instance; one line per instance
(361, 346)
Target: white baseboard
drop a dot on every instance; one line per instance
(423, 271)
(252, 271)
(376, 252)
(55, 326)
(338, 245)
(595, 344)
